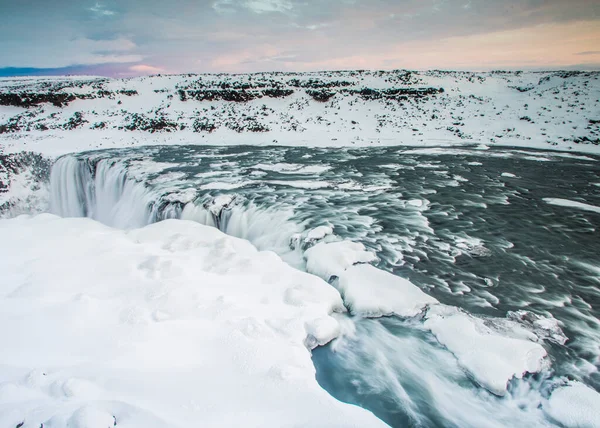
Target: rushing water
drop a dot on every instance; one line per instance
(473, 228)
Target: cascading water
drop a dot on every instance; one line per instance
(395, 367)
(100, 190)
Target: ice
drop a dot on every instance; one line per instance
(333, 258)
(575, 405)
(572, 204)
(372, 292)
(490, 357)
(509, 175)
(168, 325)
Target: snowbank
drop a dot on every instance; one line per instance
(174, 324)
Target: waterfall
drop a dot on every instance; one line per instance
(100, 190)
(103, 190)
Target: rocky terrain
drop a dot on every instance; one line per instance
(558, 110)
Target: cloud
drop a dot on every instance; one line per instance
(81, 51)
(100, 10)
(260, 35)
(145, 69)
(255, 6)
(313, 27)
(588, 53)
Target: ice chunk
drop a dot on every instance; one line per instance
(372, 292)
(333, 258)
(490, 357)
(574, 405)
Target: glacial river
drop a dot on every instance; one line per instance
(508, 237)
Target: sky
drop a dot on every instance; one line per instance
(123, 38)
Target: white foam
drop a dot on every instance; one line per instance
(572, 204)
(292, 168)
(508, 174)
(221, 185)
(301, 184)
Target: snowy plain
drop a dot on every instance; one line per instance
(549, 110)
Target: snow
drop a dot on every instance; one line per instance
(174, 324)
(371, 292)
(490, 357)
(319, 233)
(574, 405)
(558, 111)
(328, 259)
(572, 204)
(25, 194)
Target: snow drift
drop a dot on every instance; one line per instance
(174, 324)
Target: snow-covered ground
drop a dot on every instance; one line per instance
(552, 110)
(175, 324)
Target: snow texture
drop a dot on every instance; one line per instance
(575, 405)
(372, 292)
(331, 259)
(490, 357)
(57, 115)
(174, 324)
